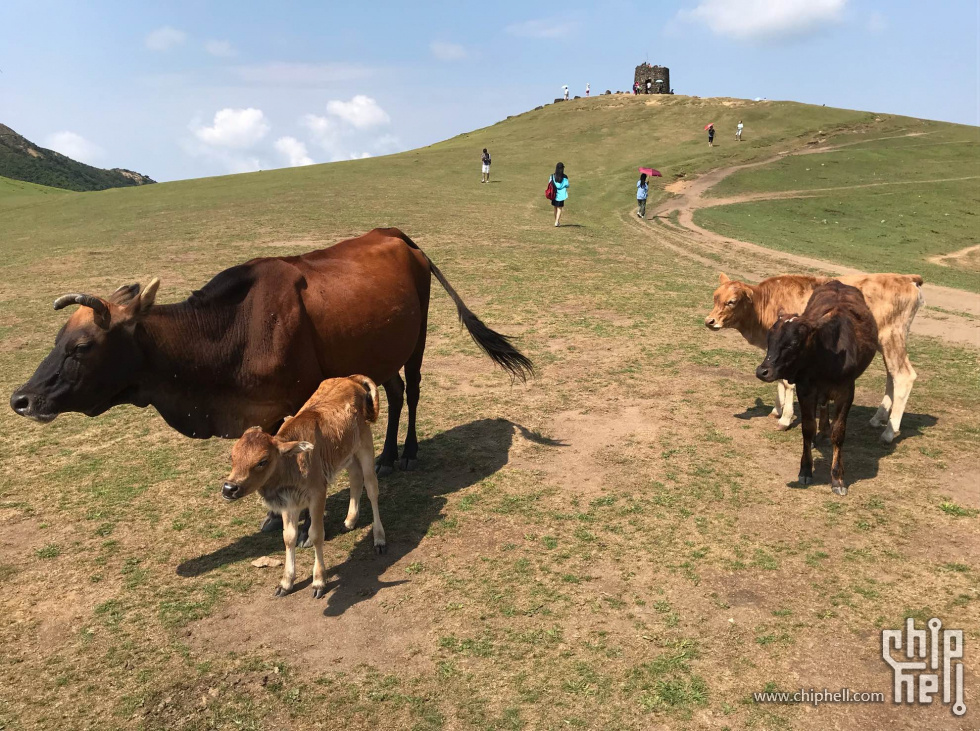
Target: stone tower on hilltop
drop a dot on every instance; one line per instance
(658, 76)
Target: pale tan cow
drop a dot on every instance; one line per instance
(292, 470)
(893, 299)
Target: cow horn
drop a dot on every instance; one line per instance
(86, 300)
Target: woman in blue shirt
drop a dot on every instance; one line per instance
(642, 189)
(560, 181)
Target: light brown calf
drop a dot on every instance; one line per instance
(292, 470)
(893, 299)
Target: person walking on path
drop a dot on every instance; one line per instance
(738, 131)
(586, 91)
(711, 135)
(486, 166)
(560, 181)
(642, 190)
(565, 89)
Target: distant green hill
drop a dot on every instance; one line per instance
(21, 159)
(10, 188)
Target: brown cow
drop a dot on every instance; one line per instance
(292, 470)
(822, 352)
(256, 341)
(892, 298)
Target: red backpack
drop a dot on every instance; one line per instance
(550, 192)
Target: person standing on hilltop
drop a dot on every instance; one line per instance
(711, 135)
(565, 89)
(738, 131)
(636, 88)
(486, 166)
(642, 190)
(560, 182)
(586, 91)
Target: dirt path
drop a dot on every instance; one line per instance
(689, 196)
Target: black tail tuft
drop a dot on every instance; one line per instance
(497, 346)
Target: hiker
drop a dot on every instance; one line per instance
(586, 91)
(565, 89)
(649, 85)
(560, 182)
(486, 166)
(711, 135)
(642, 190)
(636, 88)
(738, 131)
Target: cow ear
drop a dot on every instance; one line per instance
(149, 295)
(293, 448)
(723, 278)
(125, 294)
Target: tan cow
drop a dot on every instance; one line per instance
(893, 299)
(292, 470)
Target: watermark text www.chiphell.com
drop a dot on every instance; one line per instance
(926, 664)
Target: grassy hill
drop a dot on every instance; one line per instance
(21, 159)
(612, 546)
(13, 188)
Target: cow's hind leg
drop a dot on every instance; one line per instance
(413, 380)
(837, 439)
(317, 505)
(881, 415)
(394, 390)
(901, 376)
(365, 455)
(355, 476)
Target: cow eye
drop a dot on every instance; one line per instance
(82, 347)
(731, 302)
(262, 462)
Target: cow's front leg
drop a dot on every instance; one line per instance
(837, 439)
(290, 528)
(786, 416)
(808, 425)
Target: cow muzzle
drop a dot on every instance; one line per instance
(230, 491)
(711, 323)
(765, 373)
(26, 405)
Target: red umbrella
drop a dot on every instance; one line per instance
(710, 124)
(651, 171)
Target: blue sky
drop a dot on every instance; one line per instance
(191, 88)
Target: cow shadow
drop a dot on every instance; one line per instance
(411, 505)
(753, 412)
(863, 450)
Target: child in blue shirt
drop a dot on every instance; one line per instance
(642, 189)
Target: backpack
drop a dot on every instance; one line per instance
(550, 192)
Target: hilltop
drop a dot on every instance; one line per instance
(21, 159)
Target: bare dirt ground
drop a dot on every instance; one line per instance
(690, 196)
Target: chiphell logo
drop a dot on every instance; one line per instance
(930, 661)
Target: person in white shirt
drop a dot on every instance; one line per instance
(738, 131)
(586, 90)
(565, 89)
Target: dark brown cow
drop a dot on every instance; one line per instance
(822, 352)
(254, 343)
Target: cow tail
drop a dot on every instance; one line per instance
(370, 398)
(497, 346)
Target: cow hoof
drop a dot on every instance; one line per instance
(319, 592)
(775, 414)
(281, 592)
(804, 480)
(783, 425)
(888, 435)
(383, 470)
(381, 548)
(304, 541)
(840, 489)
(272, 522)
(406, 464)
(349, 524)
(877, 420)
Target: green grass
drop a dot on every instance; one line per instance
(646, 568)
(15, 188)
(890, 210)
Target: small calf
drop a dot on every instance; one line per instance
(822, 352)
(292, 470)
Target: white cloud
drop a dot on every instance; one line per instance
(221, 49)
(293, 150)
(447, 51)
(302, 74)
(234, 128)
(165, 38)
(763, 19)
(361, 112)
(74, 146)
(543, 28)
